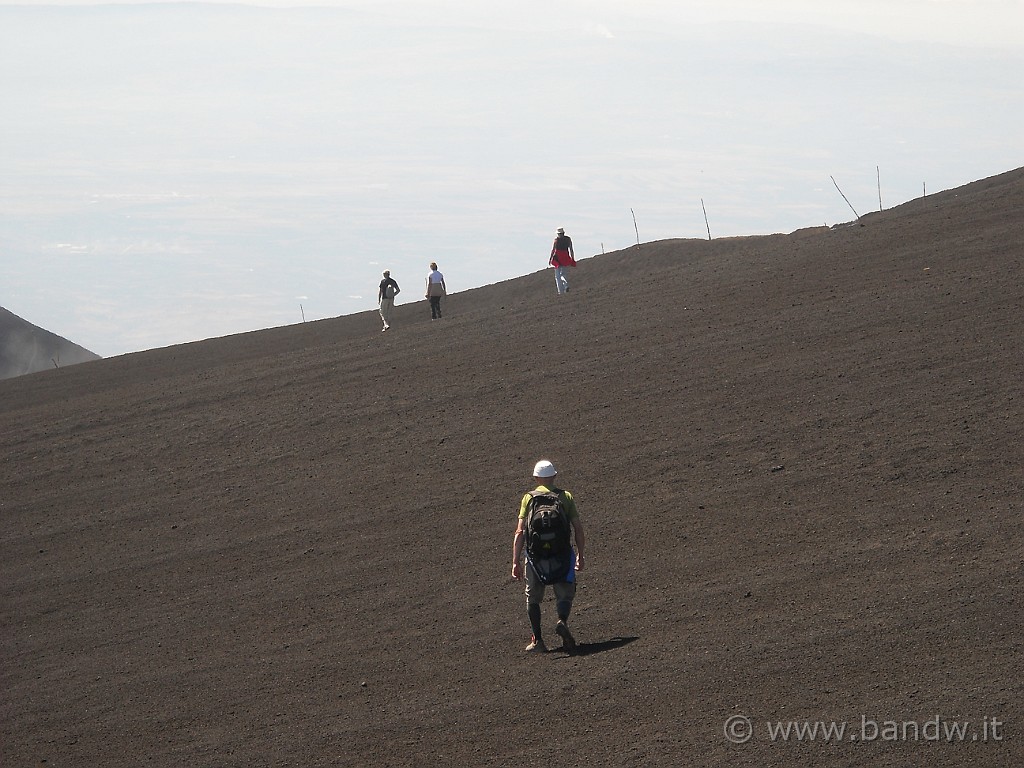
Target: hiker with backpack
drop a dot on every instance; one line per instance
(561, 258)
(386, 298)
(548, 522)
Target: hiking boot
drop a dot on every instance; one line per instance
(536, 646)
(568, 641)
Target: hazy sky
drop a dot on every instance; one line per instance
(175, 172)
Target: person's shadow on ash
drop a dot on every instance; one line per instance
(587, 649)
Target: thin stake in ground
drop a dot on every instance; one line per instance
(844, 198)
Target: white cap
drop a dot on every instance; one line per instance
(544, 468)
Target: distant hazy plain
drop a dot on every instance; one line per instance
(177, 172)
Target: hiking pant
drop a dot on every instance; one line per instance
(561, 281)
(565, 591)
(386, 305)
(435, 307)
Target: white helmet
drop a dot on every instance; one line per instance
(544, 468)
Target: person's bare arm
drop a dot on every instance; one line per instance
(517, 551)
(581, 542)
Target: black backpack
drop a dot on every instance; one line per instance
(548, 535)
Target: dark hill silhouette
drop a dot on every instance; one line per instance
(26, 348)
(798, 458)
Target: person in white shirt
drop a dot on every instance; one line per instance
(435, 290)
